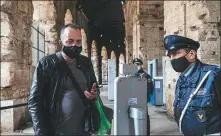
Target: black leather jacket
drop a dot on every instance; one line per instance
(47, 88)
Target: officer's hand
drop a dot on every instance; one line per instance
(92, 94)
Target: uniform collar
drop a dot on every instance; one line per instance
(189, 70)
(192, 71)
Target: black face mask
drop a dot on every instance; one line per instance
(180, 64)
(72, 51)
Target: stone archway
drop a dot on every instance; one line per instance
(68, 17)
(113, 55)
(94, 58)
(121, 59)
(104, 65)
(84, 43)
(46, 17)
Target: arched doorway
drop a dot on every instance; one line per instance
(104, 65)
(94, 58)
(113, 56)
(68, 17)
(84, 43)
(121, 60)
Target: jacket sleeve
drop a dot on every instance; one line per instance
(217, 81)
(36, 100)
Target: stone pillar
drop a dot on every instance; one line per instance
(94, 59)
(121, 60)
(16, 19)
(46, 17)
(148, 32)
(199, 20)
(104, 65)
(129, 49)
(68, 17)
(84, 43)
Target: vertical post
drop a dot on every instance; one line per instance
(139, 116)
(149, 68)
(164, 89)
(155, 68)
(44, 43)
(38, 43)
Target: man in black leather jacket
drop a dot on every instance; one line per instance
(142, 73)
(54, 104)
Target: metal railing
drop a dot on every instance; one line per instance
(38, 44)
(13, 106)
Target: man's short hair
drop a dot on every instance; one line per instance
(74, 26)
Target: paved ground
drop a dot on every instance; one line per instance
(160, 123)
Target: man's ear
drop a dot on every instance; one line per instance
(60, 43)
(193, 54)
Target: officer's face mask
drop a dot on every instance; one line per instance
(180, 64)
(72, 51)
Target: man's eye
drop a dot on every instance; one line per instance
(70, 42)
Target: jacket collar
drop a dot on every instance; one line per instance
(193, 75)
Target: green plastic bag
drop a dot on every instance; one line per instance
(105, 125)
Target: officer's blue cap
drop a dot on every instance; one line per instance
(137, 61)
(175, 42)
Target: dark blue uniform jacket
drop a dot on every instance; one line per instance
(203, 113)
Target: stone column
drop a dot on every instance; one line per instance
(94, 58)
(16, 19)
(84, 43)
(148, 32)
(129, 49)
(104, 65)
(46, 17)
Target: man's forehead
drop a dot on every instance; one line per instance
(72, 33)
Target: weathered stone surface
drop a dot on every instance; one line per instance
(9, 7)
(145, 26)
(7, 74)
(12, 119)
(6, 28)
(84, 43)
(8, 55)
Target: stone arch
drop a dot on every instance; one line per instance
(84, 43)
(104, 65)
(113, 55)
(68, 17)
(121, 59)
(47, 17)
(94, 58)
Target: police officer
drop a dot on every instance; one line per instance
(201, 115)
(142, 73)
